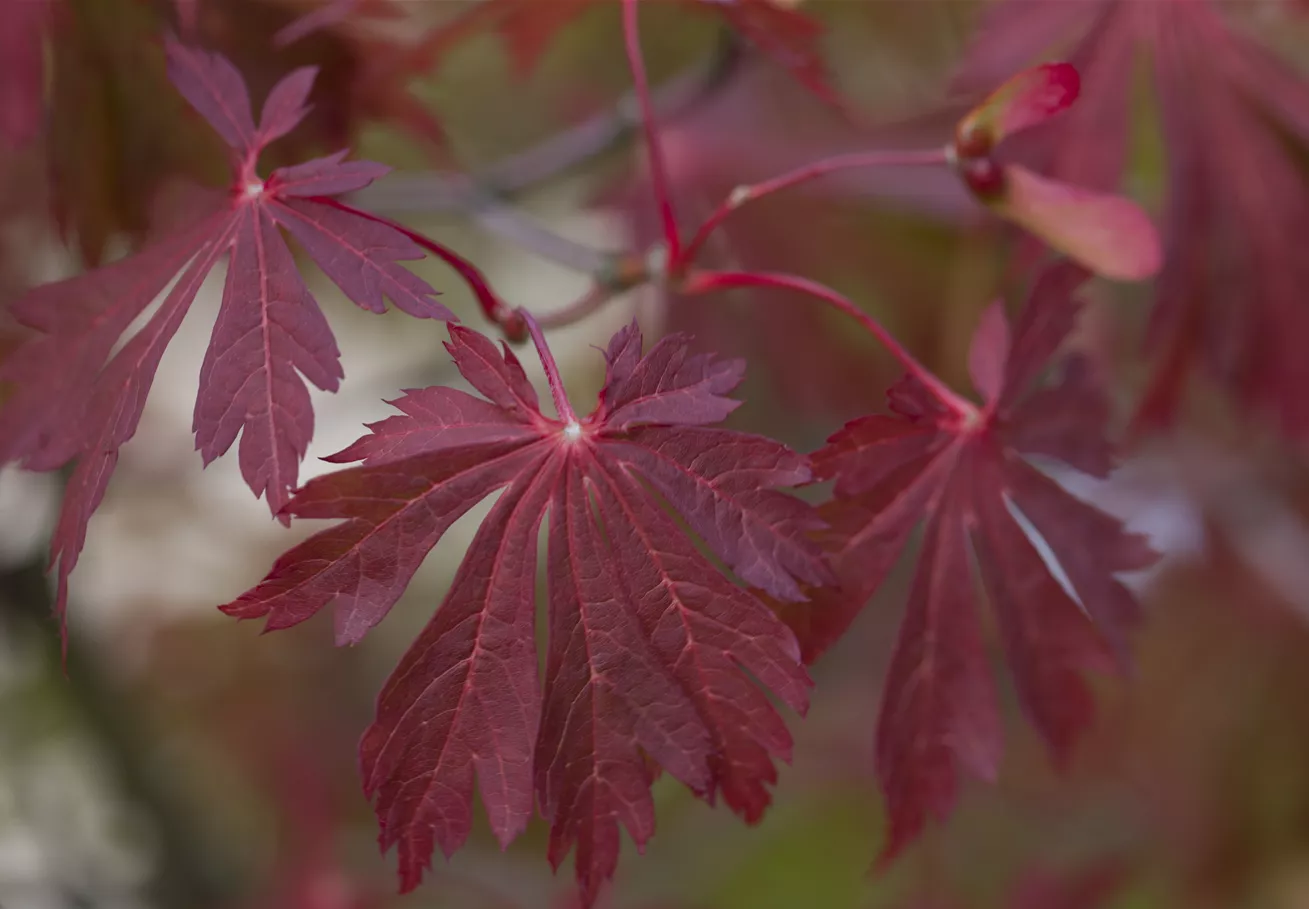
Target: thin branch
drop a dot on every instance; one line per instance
(592, 301)
(555, 156)
(468, 196)
(653, 145)
(743, 195)
(492, 306)
(706, 281)
(612, 276)
(527, 233)
(607, 130)
(482, 196)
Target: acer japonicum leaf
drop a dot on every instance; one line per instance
(77, 399)
(1109, 234)
(1235, 123)
(1047, 560)
(653, 651)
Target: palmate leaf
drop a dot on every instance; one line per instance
(76, 401)
(1047, 559)
(649, 643)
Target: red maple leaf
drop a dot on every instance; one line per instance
(649, 643)
(76, 401)
(1047, 559)
(1235, 122)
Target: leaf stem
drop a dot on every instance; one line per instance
(706, 281)
(495, 309)
(654, 149)
(552, 376)
(751, 192)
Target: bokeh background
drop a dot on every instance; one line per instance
(185, 761)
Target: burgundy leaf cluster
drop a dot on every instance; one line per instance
(686, 588)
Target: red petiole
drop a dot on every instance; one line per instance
(555, 380)
(707, 281)
(680, 258)
(654, 148)
(746, 194)
(495, 309)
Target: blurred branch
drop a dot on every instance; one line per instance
(186, 877)
(484, 196)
